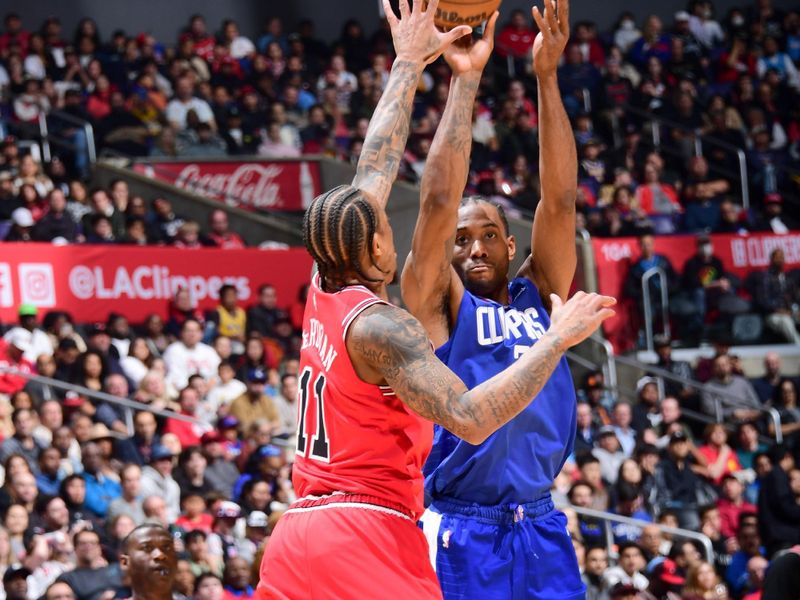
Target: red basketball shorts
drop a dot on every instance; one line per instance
(347, 547)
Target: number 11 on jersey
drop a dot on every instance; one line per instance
(320, 449)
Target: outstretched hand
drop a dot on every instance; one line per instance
(552, 37)
(466, 55)
(579, 317)
(415, 37)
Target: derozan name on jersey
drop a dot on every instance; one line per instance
(249, 183)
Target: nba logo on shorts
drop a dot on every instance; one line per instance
(6, 287)
(36, 285)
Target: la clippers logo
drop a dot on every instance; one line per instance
(36, 284)
(6, 287)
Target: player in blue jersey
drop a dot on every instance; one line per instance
(492, 529)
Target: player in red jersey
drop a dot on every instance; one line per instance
(370, 384)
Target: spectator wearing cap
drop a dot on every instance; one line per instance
(772, 218)
(731, 394)
(777, 297)
(677, 483)
(190, 355)
(646, 412)
(157, 481)
(40, 342)
(12, 356)
(629, 504)
(15, 583)
(629, 570)
(609, 453)
(222, 539)
(21, 226)
(663, 347)
(256, 528)
(254, 403)
(599, 399)
(222, 474)
(779, 513)
(130, 501)
(188, 432)
(99, 340)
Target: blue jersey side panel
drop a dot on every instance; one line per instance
(519, 462)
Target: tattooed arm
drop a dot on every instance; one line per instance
(417, 43)
(428, 279)
(386, 344)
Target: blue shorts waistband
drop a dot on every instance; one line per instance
(501, 513)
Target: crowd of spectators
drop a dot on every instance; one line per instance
(652, 460)
(731, 78)
(79, 472)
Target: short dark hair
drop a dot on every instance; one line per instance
(626, 545)
(227, 288)
(585, 458)
(194, 534)
(202, 577)
(467, 200)
(126, 542)
(577, 484)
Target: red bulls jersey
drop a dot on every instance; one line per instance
(353, 437)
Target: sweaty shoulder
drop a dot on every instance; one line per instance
(382, 339)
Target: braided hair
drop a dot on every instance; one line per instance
(337, 228)
(467, 200)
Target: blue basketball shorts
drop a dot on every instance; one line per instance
(519, 552)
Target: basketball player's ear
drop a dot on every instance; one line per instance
(512, 247)
(124, 561)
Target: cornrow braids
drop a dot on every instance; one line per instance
(467, 200)
(337, 228)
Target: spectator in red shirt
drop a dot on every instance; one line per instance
(585, 37)
(11, 350)
(516, 38)
(220, 234)
(720, 457)
(731, 504)
(203, 42)
(188, 433)
(14, 33)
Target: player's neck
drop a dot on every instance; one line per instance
(499, 295)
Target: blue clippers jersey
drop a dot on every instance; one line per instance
(519, 462)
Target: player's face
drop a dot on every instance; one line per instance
(151, 559)
(482, 251)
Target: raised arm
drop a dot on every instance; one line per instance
(553, 258)
(428, 278)
(417, 43)
(388, 345)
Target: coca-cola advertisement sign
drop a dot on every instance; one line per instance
(261, 185)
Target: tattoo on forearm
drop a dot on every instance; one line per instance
(457, 121)
(388, 131)
(393, 343)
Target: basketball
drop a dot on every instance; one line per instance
(450, 13)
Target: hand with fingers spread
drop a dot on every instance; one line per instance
(467, 56)
(415, 37)
(578, 318)
(552, 37)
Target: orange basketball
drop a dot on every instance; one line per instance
(450, 13)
